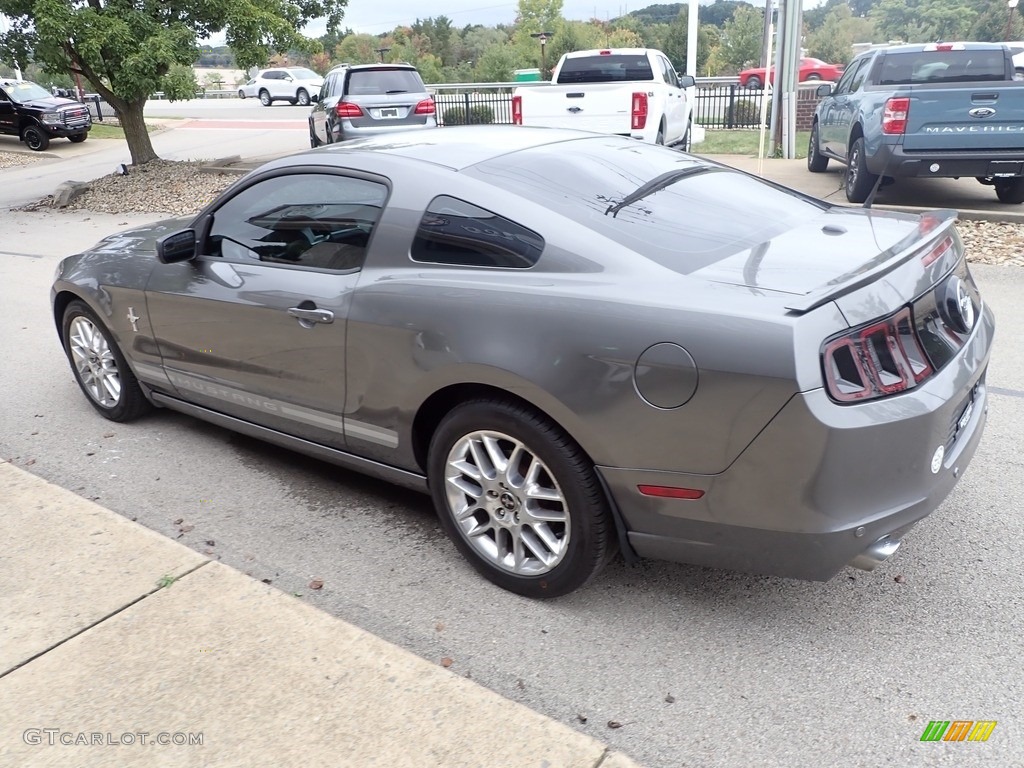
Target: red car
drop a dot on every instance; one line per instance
(810, 69)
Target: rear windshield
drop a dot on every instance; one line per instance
(383, 81)
(690, 224)
(614, 68)
(942, 67)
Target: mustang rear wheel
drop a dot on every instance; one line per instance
(99, 367)
(519, 499)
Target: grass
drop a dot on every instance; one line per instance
(744, 142)
(100, 131)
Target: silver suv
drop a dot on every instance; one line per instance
(296, 85)
(367, 99)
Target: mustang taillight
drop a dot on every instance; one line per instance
(894, 116)
(517, 110)
(348, 109)
(426, 107)
(639, 113)
(875, 360)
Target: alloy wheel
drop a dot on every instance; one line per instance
(506, 503)
(94, 362)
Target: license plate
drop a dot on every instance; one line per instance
(965, 418)
(386, 113)
(1005, 168)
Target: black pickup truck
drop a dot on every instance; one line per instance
(31, 113)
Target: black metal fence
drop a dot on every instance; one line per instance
(717, 104)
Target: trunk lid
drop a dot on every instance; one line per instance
(971, 117)
(598, 107)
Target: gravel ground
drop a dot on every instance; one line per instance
(15, 159)
(180, 188)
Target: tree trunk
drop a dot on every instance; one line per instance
(135, 132)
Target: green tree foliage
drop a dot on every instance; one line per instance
(538, 16)
(358, 49)
(918, 21)
(740, 45)
(833, 40)
(126, 49)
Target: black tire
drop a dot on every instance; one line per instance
(587, 539)
(130, 402)
(754, 82)
(859, 180)
(265, 99)
(241, 93)
(660, 138)
(314, 142)
(813, 76)
(302, 97)
(1010, 191)
(816, 162)
(35, 138)
(78, 138)
(685, 144)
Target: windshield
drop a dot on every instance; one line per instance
(22, 91)
(611, 68)
(304, 74)
(685, 220)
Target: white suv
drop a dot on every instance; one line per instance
(292, 84)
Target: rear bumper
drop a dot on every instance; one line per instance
(895, 161)
(344, 130)
(822, 484)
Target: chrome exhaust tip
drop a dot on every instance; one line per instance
(876, 554)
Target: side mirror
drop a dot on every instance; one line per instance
(176, 247)
(687, 81)
(824, 90)
(288, 78)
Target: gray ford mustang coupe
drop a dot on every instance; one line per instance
(575, 343)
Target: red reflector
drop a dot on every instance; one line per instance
(937, 252)
(894, 117)
(517, 110)
(944, 47)
(425, 107)
(346, 109)
(604, 53)
(669, 492)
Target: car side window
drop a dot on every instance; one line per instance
(317, 220)
(455, 232)
(845, 82)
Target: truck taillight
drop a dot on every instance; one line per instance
(894, 117)
(426, 107)
(517, 110)
(875, 360)
(347, 109)
(639, 111)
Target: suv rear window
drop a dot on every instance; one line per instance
(377, 82)
(614, 68)
(943, 67)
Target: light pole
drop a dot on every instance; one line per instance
(543, 37)
(1011, 4)
(380, 52)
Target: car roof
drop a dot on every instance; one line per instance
(378, 65)
(454, 147)
(919, 47)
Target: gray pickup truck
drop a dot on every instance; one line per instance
(941, 109)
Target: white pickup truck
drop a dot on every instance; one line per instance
(625, 91)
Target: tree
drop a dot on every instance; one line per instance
(741, 40)
(917, 21)
(126, 49)
(496, 65)
(358, 49)
(834, 40)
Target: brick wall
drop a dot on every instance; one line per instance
(806, 101)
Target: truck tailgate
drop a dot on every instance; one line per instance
(600, 107)
(974, 117)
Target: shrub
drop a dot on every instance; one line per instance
(747, 113)
(479, 114)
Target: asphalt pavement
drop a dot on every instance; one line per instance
(697, 667)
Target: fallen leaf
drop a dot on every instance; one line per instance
(581, 718)
(187, 528)
(438, 627)
(109, 434)
(210, 543)
(267, 581)
(316, 584)
(899, 579)
(520, 685)
(30, 462)
(91, 453)
(912, 717)
(670, 699)
(36, 432)
(179, 521)
(446, 662)
(614, 724)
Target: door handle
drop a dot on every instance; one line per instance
(309, 316)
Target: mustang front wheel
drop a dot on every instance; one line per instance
(519, 499)
(99, 366)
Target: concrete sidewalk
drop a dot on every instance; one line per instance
(114, 639)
